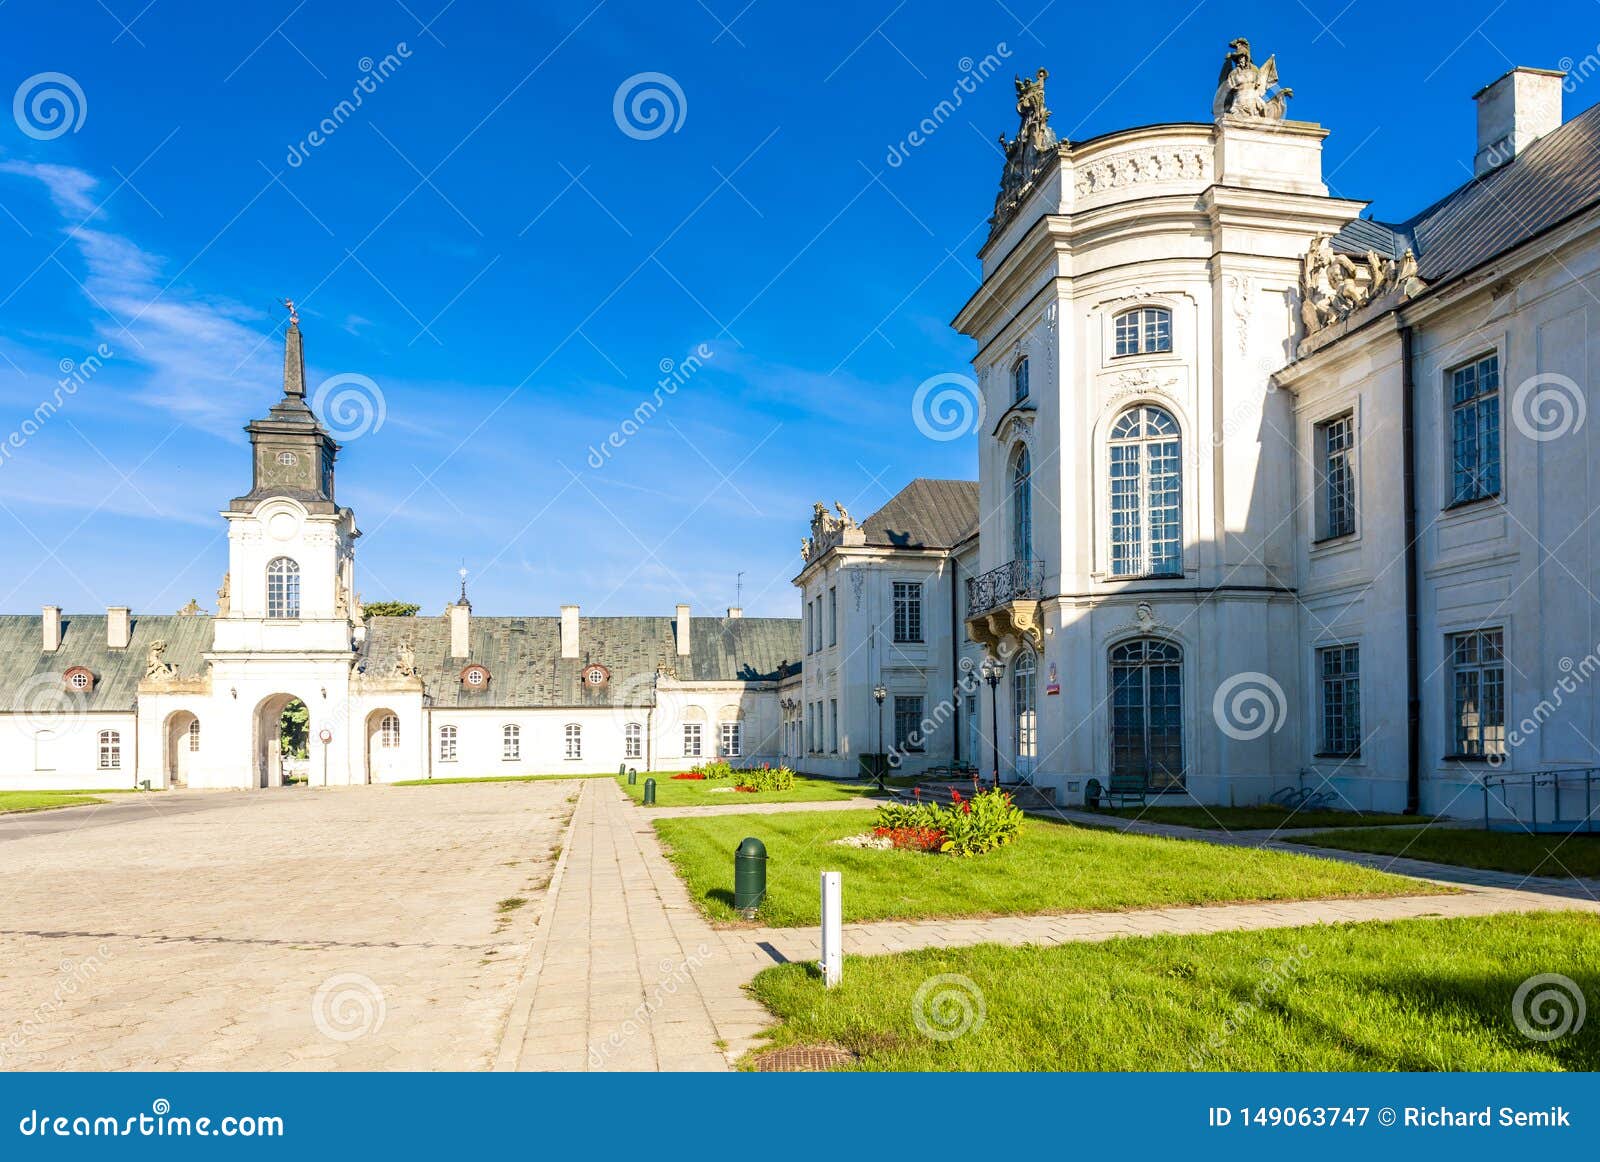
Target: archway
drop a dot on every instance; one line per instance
(182, 747)
(383, 745)
(283, 739)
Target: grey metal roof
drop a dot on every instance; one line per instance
(523, 655)
(926, 514)
(25, 667)
(1363, 234)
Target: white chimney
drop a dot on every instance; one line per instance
(683, 631)
(1513, 113)
(569, 631)
(460, 623)
(52, 629)
(119, 627)
(735, 611)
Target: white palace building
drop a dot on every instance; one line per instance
(1270, 495)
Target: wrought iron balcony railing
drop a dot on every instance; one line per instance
(1010, 582)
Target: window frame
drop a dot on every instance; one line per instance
(730, 739)
(1338, 685)
(449, 738)
(108, 744)
(389, 732)
(1488, 661)
(912, 633)
(510, 743)
(1488, 412)
(692, 731)
(191, 734)
(572, 741)
(1021, 388)
(1336, 479)
(633, 740)
(1151, 324)
(283, 589)
(1144, 452)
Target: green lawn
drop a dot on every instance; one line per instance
(1053, 867)
(1268, 818)
(1544, 855)
(672, 792)
(45, 800)
(493, 779)
(1410, 995)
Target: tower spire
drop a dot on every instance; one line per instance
(294, 359)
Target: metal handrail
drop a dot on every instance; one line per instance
(1531, 782)
(1011, 581)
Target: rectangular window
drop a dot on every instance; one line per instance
(691, 740)
(574, 741)
(1475, 429)
(833, 725)
(1340, 671)
(805, 625)
(447, 744)
(907, 611)
(731, 739)
(908, 723)
(633, 741)
(1336, 481)
(1478, 682)
(511, 744)
(833, 615)
(110, 750)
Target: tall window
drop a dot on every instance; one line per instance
(1146, 715)
(805, 625)
(574, 734)
(907, 611)
(730, 739)
(632, 741)
(110, 750)
(1146, 465)
(1024, 701)
(691, 740)
(1144, 331)
(1475, 429)
(1478, 679)
(1019, 380)
(194, 736)
(1336, 480)
(1021, 505)
(908, 723)
(447, 744)
(833, 615)
(833, 725)
(1340, 670)
(283, 588)
(389, 732)
(511, 743)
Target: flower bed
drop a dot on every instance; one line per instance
(765, 778)
(969, 826)
(696, 775)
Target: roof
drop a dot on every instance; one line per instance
(523, 656)
(29, 677)
(1550, 181)
(926, 514)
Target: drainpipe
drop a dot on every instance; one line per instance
(955, 665)
(1408, 440)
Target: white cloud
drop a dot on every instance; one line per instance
(68, 186)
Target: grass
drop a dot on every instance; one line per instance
(672, 792)
(12, 801)
(496, 779)
(1545, 855)
(1265, 818)
(1407, 995)
(1053, 867)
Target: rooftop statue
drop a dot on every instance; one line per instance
(1028, 152)
(1244, 89)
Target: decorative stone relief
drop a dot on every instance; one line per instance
(1161, 164)
(1333, 286)
(858, 586)
(1239, 300)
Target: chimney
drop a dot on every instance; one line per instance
(683, 631)
(735, 611)
(118, 627)
(1513, 113)
(569, 631)
(460, 621)
(52, 629)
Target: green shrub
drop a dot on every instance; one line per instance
(766, 778)
(716, 769)
(971, 826)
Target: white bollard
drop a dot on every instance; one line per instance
(832, 963)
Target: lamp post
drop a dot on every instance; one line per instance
(879, 693)
(992, 671)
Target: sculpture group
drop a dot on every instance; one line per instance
(1333, 285)
(1245, 89)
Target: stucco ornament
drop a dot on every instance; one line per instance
(1245, 89)
(1334, 285)
(154, 667)
(1027, 153)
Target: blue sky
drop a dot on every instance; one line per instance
(483, 241)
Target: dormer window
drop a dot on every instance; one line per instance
(475, 677)
(79, 680)
(1019, 380)
(596, 675)
(1144, 331)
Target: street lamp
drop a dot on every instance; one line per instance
(992, 671)
(879, 693)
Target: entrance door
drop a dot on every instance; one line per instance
(1146, 716)
(1024, 703)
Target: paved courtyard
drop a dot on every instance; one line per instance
(287, 929)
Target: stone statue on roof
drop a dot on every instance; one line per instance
(1028, 152)
(155, 668)
(405, 662)
(1245, 89)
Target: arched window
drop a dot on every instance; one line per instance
(447, 744)
(632, 741)
(1019, 380)
(1144, 331)
(1146, 715)
(1024, 701)
(283, 588)
(1021, 504)
(110, 750)
(574, 741)
(1146, 467)
(389, 732)
(194, 736)
(511, 743)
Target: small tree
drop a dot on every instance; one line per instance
(389, 609)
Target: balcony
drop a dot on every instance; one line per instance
(1004, 602)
